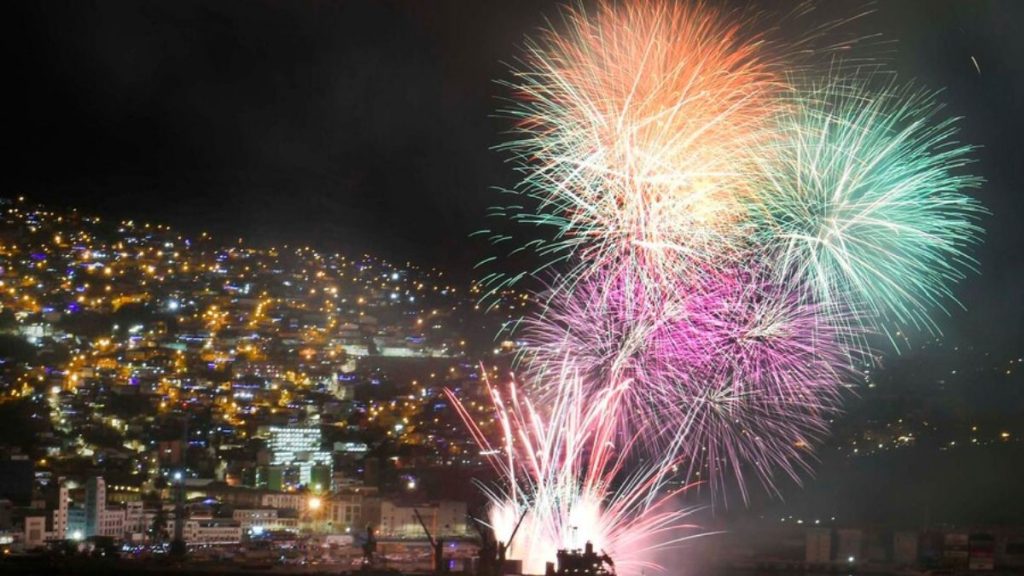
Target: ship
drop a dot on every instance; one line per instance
(585, 562)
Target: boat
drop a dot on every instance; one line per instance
(585, 562)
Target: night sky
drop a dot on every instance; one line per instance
(368, 125)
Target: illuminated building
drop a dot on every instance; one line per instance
(95, 505)
(300, 448)
(93, 517)
(444, 518)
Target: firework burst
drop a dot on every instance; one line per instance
(609, 331)
(865, 201)
(634, 133)
(725, 242)
(737, 357)
(766, 370)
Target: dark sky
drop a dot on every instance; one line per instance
(349, 124)
(357, 125)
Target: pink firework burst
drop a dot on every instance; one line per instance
(743, 372)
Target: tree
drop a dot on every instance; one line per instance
(8, 323)
(158, 531)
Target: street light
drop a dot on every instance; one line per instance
(313, 505)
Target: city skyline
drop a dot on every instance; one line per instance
(367, 284)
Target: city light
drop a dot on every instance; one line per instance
(738, 279)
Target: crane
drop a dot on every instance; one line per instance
(436, 544)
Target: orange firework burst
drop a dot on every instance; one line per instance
(635, 128)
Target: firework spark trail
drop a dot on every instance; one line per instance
(565, 469)
(764, 372)
(608, 331)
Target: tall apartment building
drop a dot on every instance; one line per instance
(93, 517)
(300, 448)
(95, 506)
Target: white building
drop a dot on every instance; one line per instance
(285, 501)
(818, 546)
(60, 515)
(111, 522)
(298, 447)
(849, 545)
(35, 532)
(95, 506)
(135, 519)
(255, 520)
(209, 531)
(345, 513)
(444, 518)
(213, 531)
(94, 517)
